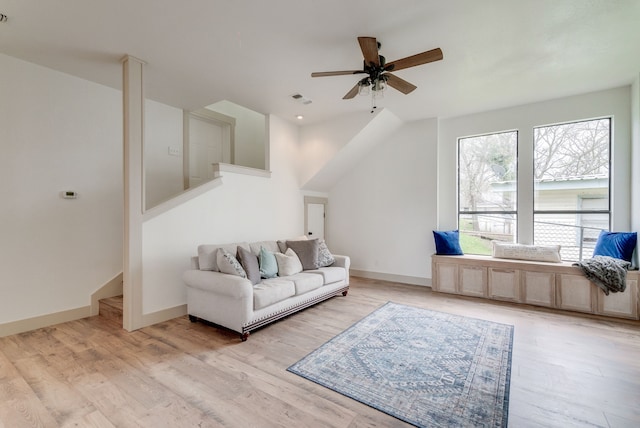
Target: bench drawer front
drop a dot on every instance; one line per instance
(504, 284)
(623, 304)
(539, 288)
(446, 278)
(575, 293)
(473, 281)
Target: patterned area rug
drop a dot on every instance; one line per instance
(427, 368)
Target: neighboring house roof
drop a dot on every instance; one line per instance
(596, 181)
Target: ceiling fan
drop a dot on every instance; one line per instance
(378, 70)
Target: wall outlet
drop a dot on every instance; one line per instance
(175, 151)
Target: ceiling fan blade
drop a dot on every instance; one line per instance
(352, 93)
(413, 60)
(369, 47)
(399, 84)
(335, 73)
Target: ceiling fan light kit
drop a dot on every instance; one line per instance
(378, 71)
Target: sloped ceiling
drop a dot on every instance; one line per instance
(258, 53)
(352, 149)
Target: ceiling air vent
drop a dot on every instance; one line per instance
(301, 99)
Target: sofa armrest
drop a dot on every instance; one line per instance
(219, 283)
(342, 261)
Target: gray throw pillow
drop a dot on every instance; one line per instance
(307, 252)
(249, 263)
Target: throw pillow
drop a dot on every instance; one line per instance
(282, 245)
(227, 263)
(249, 263)
(268, 263)
(288, 263)
(537, 253)
(325, 258)
(619, 245)
(307, 252)
(447, 243)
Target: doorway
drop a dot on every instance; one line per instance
(315, 217)
(208, 139)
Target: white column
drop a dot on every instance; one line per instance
(133, 121)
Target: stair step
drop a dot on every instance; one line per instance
(111, 308)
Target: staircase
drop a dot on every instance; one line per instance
(111, 309)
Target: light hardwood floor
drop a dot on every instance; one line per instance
(567, 370)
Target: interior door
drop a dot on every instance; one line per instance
(315, 221)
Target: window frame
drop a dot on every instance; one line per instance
(514, 212)
(575, 212)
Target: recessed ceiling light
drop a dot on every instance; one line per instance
(299, 117)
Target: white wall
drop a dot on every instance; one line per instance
(250, 134)
(163, 172)
(57, 133)
(244, 208)
(319, 143)
(615, 102)
(382, 214)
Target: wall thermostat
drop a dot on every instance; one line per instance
(69, 194)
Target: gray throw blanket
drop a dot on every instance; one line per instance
(606, 272)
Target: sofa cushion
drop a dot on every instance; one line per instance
(330, 274)
(268, 263)
(268, 245)
(227, 263)
(288, 263)
(207, 254)
(305, 282)
(307, 252)
(249, 262)
(272, 291)
(325, 258)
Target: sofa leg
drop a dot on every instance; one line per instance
(345, 292)
(244, 336)
(193, 318)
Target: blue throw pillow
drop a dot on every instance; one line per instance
(268, 264)
(447, 243)
(619, 245)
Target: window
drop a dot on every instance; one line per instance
(571, 185)
(487, 196)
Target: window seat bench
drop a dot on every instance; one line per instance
(552, 285)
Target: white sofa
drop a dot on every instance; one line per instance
(235, 303)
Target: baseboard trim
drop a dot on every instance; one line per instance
(112, 288)
(404, 279)
(163, 315)
(28, 324)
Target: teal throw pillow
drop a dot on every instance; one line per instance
(268, 264)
